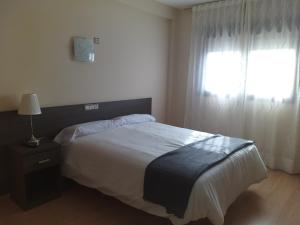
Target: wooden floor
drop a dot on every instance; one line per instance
(276, 201)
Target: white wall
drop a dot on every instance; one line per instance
(180, 67)
(35, 51)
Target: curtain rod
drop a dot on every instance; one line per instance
(204, 3)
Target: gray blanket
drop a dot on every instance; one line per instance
(169, 179)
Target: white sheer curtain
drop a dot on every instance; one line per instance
(244, 75)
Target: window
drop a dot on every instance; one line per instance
(222, 74)
(269, 73)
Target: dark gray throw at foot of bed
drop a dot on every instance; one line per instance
(169, 179)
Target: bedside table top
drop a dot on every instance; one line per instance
(44, 146)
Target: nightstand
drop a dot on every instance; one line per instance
(35, 173)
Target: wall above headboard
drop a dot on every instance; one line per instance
(15, 128)
(36, 52)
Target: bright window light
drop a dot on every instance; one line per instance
(223, 73)
(270, 73)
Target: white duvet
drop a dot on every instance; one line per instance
(114, 161)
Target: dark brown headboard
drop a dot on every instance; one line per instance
(15, 128)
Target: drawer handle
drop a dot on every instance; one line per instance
(44, 161)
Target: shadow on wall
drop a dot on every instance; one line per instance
(8, 102)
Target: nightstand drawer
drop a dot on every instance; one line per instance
(41, 160)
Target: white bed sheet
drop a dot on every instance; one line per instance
(114, 162)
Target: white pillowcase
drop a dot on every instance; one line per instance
(133, 118)
(69, 134)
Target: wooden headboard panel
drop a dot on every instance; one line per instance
(15, 128)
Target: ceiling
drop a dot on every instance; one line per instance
(183, 4)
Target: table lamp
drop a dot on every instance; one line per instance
(30, 106)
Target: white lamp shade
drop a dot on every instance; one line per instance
(29, 105)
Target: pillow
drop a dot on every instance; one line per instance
(133, 119)
(69, 134)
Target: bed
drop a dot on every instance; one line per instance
(112, 155)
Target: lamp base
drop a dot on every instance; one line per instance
(33, 142)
